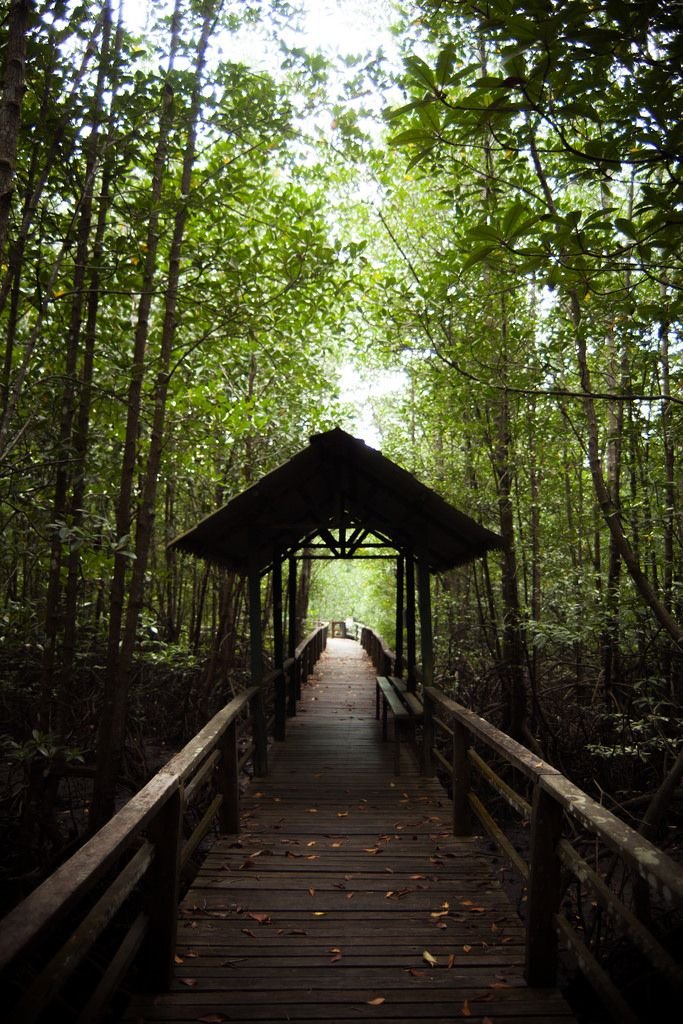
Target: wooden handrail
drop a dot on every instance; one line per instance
(45, 937)
(557, 803)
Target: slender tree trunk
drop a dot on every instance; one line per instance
(109, 747)
(112, 732)
(610, 514)
(14, 77)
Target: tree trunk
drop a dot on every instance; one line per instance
(14, 77)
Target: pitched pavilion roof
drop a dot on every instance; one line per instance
(338, 485)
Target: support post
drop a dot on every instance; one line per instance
(161, 893)
(227, 782)
(398, 646)
(427, 734)
(545, 891)
(279, 652)
(291, 607)
(425, 603)
(410, 621)
(257, 704)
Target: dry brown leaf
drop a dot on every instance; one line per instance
(335, 958)
(451, 960)
(248, 931)
(342, 814)
(465, 1011)
(312, 810)
(190, 982)
(487, 1020)
(313, 842)
(178, 959)
(311, 892)
(261, 918)
(319, 913)
(376, 1002)
(429, 959)
(334, 949)
(466, 949)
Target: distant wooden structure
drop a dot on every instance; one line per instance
(339, 498)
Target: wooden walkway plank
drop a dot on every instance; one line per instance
(345, 897)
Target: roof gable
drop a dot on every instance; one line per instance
(337, 483)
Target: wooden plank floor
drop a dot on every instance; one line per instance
(342, 887)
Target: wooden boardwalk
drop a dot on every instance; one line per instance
(345, 897)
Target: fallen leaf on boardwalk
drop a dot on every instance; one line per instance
(376, 1002)
(487, 1020)
(291, 853)
(190, 982)
(374, 850)
(335, 958)
(494, 927)
(334, 949)
(439, 913)
(429, 959)
(466, 1012)
(258, 794)
(312, 856)
(504, 941)
(342, 814)
(389, 894)
(441, 924)
(248, 931)
(178, 959)
(261, 918)
(466, 949)
(451, 960)
(335, 846)
(313, 842)
(191, 954)
(389, 870)
(213, 1018)
(319, 913)
(311, 892)
(349, 896)
(416, 973)
(248, 863)
(415, 878)
(312, 810)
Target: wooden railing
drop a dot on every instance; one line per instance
(66, 948)
(561, 829)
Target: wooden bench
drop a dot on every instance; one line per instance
(392, 692)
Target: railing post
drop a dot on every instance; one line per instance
(462, 818)
(292, 672)
(427, 734)
(280, 685)
(259, 733)
(161, 892)
(544, 891)
(227, 781)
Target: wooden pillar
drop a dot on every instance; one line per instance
(544, 891)
(425, 603)
(279, 651)
(398, 647)
(258, 711)
(410, 620)
(291, 608)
